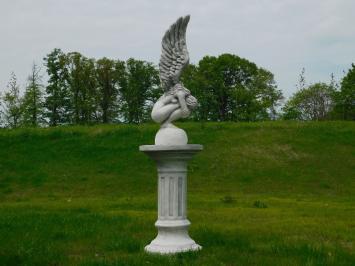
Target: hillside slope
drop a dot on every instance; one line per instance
(65, 193)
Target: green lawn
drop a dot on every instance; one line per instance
(273, 193)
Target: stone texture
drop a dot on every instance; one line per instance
(172, 223)
(171, 136)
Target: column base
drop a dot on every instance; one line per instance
(172, 238)
(153, 248)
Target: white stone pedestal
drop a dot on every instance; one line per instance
(172, 221)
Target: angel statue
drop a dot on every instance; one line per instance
(177, 101)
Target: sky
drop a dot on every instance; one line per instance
(282, 36)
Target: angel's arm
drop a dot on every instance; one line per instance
(182, 101)
(167, 99)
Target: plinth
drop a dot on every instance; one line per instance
(172, 223)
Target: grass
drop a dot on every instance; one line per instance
(275, 193)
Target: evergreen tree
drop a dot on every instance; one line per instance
(345, 101)
(32, 104)
(11, 101)
(1, 112)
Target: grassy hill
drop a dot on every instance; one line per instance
(272, 193)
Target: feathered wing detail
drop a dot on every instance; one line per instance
(174, 57)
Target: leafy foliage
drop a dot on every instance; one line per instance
(11, 104)
(139, 90)
(345, 98)
(311, 103)
(57, 99)
(230, 88)
(109, 75)
(82, 83)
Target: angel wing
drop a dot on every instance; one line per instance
(174, 57)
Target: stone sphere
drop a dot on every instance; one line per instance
(171, 136)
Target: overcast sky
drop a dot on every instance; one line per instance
(280, 35)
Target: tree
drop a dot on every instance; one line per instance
(12, 111)
(333, 82)
(314, 102)
(345, 98)
(232, 88)
(302, 80)
(1, 112)
(265, 96)
(32, 104)
(57, 100)
(82, 84)
(109, 73)
(138, 90)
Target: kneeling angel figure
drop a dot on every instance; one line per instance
(177, 101)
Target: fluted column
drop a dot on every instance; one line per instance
(171, 193)
(172, 220)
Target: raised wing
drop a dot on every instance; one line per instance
(174, 57)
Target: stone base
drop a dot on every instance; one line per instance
(172, 238)
(153, 248)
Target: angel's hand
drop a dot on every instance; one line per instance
(181, 94)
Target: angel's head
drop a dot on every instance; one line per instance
(191, 101)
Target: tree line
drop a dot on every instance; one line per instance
(82, 90)
(321, 100)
